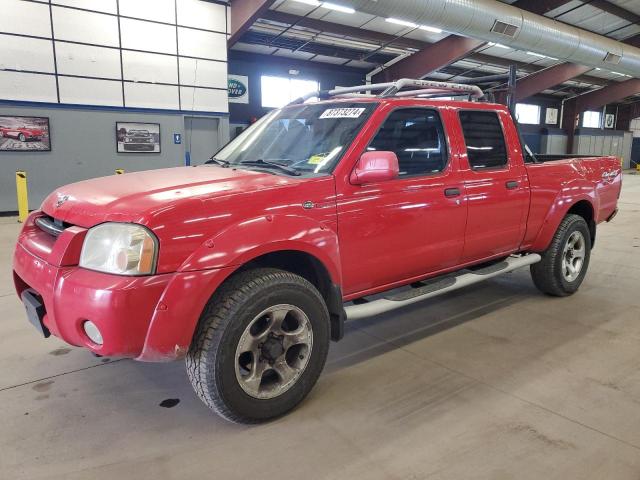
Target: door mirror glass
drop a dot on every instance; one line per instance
(374, 167)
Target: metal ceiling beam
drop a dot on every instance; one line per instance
(378, 38)
(244, 13)
(549, 77)
(616, 10)
(594, 100)
(401, 42)
(611, 93)
(430, 59)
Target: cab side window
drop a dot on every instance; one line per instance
(416, 136)
(484, 139)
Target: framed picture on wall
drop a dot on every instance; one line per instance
(551, 116)
(137, 137)
(24, 134)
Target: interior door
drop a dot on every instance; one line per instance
(202, 138)
(403, 228)
(496, 186)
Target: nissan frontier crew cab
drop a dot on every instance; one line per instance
(250, 264)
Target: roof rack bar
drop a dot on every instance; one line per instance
(392, 89)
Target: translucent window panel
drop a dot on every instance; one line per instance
(203, 73)
(278, 91)
(151, 37)
(196, 43)
(26, 18)
(28, 86)
(20, 53)
(85, 91)
(107, 6)
(528, 113)
(199, 14)
(87, 61)
(87, 27)
(149, 67)
(591, 119)
(158, 10)
(151, 96)
(275, 91)
(204, 100)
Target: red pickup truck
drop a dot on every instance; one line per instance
(340, 208)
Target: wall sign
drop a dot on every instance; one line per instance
(238, 89)
(551, 117)
(609, 120)
(177, 138)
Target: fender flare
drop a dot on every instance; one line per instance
(170, 331)
(563, 202)
(240, 243)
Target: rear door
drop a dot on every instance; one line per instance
(396, 230)
(496, 185)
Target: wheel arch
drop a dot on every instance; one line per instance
(582, 206)
(311, 268)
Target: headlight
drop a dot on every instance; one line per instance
(120, 248)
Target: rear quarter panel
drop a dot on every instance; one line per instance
(558, 185)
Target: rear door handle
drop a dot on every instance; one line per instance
(451, 192)
(511, 184)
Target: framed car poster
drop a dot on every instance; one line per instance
(134, 137)
(24, 134)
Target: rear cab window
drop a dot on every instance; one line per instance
(484, 139)
(416, 136)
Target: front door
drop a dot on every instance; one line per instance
(407, 227)
(496, 185)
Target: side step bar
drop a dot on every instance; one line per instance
(438, 286)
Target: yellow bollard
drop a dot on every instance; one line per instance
(119, 171)
(23, 198)
(638, 167)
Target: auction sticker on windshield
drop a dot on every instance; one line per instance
(342, 112)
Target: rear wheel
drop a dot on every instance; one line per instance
(564, 264)
(260, 346)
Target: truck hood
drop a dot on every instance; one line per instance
(137, 197)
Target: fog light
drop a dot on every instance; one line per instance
(92, 332)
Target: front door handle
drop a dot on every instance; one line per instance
(512, 184)
(451, 192)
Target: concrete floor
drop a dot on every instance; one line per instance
(496, 382)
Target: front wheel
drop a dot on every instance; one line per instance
(260, 346)
(22, 138)
(564, 264)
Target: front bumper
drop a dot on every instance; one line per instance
(121, 307)
(150, 318)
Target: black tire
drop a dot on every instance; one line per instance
(211, 360)
(22, 138)
(548, 274)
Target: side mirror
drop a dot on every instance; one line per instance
(374, 167)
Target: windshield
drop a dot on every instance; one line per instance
(306, 139)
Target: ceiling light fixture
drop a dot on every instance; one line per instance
(313, 3)
(337, 8)
(427, 28)
(499, 45)
(404, 23)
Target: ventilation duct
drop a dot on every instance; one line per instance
(493, 21)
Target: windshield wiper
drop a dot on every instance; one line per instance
(217, 161)
(266, 163)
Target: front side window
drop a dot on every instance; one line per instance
(484, 139)
(306, 139)
(417, 138)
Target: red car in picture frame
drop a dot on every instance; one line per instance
(22, 133)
